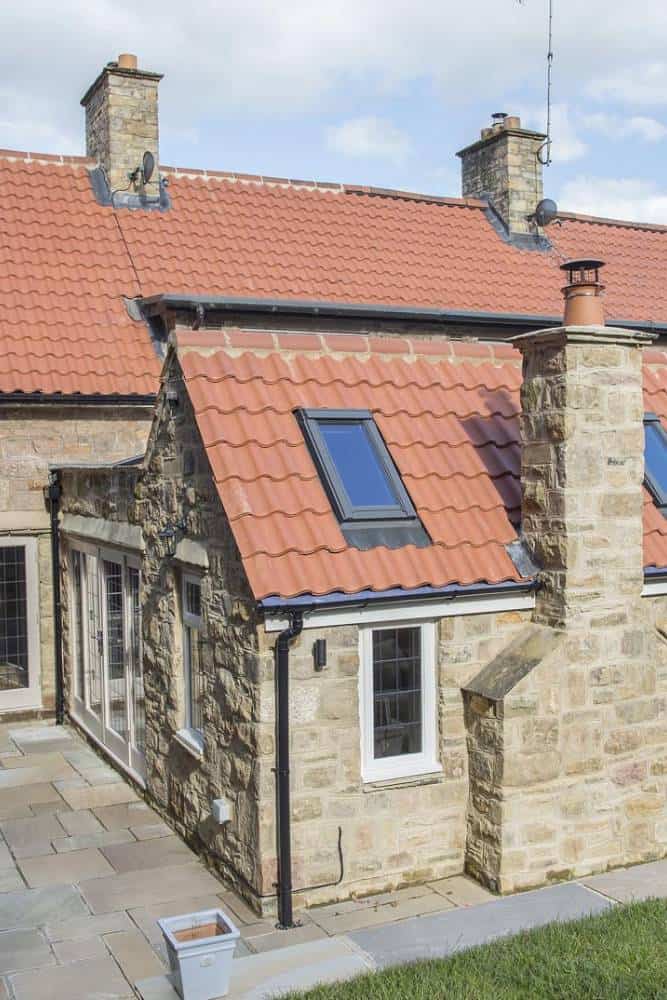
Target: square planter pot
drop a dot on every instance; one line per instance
(200, 948)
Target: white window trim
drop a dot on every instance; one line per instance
(31, 696)
(189, 734)
(406, 765)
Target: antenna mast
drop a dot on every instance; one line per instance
(544, 152)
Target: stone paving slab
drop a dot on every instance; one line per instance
(371, 916)
(119, 892)
(125, 815)
(462, 891)
(27, 949)
(82, 927)
(273, 974)
(285, 939)
(34, 907)
(87, 797)
(151, 831)
(57, 869)
(21, 798)
(79, 951)
(79, 821)
(10, 880)
(26, 833)
(167, 851)
(134, 955)
(104, 839)
(18, 777)
(442, 935)
(49, 761)
(99, 978)
(629, 884)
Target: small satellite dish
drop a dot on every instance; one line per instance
(147, 166)
(546, 212)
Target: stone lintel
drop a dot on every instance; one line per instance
(561, 336)
(512, 664)
(133, 74)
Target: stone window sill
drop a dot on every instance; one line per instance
(430, 777)
(192, 741)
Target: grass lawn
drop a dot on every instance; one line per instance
(617, 956)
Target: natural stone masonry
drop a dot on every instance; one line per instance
(563, 760)
(122, 124)
(504, 167)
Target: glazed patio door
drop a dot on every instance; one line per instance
(108, 677)
(19, 624)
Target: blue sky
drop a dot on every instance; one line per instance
(376, 92)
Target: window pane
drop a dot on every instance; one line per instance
(357, 464)
(397, 692)
(137, 687)
(13, 619)
(193, 599)
(77, 621)
(655, 455)
(115, 647)
(194, 679)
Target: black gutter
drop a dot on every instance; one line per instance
(54, 492)
(309, 602)
(306, 307)
(284, 833)
(76, 399)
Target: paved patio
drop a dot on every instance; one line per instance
(86, 868)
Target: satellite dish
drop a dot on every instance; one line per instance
(147, 166)
(546, 212)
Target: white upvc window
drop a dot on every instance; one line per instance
(193, 676)
(397, 699)
(19, 624)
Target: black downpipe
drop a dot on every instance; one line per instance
(54, 493)
(284, 834)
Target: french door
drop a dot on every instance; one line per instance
(105, 622)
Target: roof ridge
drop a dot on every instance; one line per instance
(602, 220)
(340, 188)
(59, 158)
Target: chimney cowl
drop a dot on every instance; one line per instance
(583, 292)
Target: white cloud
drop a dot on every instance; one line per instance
(369, 137)
(619, 127)
(642, 83)
(624, 198)
(567, 145)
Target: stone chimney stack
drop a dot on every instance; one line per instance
(582, 464)
(503, 166)
(122, 124)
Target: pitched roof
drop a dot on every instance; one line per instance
(448, 413)
(66, 262)
(64, 270)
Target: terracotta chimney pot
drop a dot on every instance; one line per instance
(127, 61)
(583, 293)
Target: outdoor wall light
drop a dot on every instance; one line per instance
(170, 535)
(320, 654)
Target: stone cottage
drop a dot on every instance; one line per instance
(387, 635)
(365, 563)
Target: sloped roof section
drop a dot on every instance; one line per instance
(448, 412)
(64, 269)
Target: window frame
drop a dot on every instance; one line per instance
(29, 697)
(659, 495)
(347, 512)
(403, 765)
(190, 734)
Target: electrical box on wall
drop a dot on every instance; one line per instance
(221, 810)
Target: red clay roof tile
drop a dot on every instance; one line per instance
(450, 425)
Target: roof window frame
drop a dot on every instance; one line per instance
(348, 513)
(659, 495)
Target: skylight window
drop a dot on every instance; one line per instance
(655, 459)
(363, 484)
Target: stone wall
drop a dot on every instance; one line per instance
(176, 487)
(393, 833)
(31, 439)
